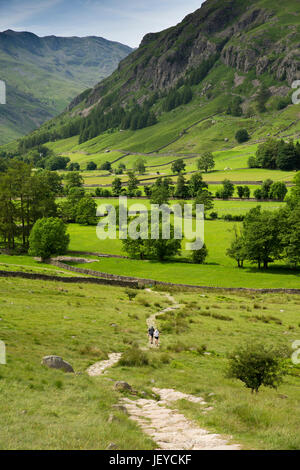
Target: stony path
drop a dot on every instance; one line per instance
(151, 320)
(99, 367)
(170, 429)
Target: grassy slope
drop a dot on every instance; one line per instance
(47, 409)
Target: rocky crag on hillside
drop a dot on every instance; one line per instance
(249, 36)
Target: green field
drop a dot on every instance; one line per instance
(219, 269)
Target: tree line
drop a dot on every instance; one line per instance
(277, 155)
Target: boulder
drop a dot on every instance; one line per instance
(112, 446)
(56, 362)
(123, 386)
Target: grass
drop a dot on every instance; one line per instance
(219, 269)
(46, 409)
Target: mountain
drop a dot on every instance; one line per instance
(231, 58)
(42, 75)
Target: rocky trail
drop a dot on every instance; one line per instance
(170, 429)
(99, 367)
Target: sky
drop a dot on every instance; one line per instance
(125, 21)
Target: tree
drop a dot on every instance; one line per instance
(278, 191)
(159, 249)
(240, 190)
(68, 207)
(73, 180)
(162, 249)
(258, 194)
(204, 197)
(291, 237)
(106, 166)
(48, 237)
(265, 189)
(262, 236)
(246, 192)
(227, 191)
(57, 163)
(206, 162)
(116, 187)
(196, 184)
(178, 166)
(294, 198)
(91, 166)
(181, 191)
(234, 108)
(159, 195)
(74, 166)
(256, 365)
(242, 136)
(288, 158)
(266, 154)
(86, 211)
(262, 98)
(133, 183)
(252, 162)
(134, 248)
(139, 166)
(199, 256)
(237, 249)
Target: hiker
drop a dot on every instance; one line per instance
(150, 334)
(156, 336)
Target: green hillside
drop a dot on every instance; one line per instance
(44, 74)
(228, 66)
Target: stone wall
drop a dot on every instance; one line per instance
(85, 280)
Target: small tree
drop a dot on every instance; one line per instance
(116, 186)
(133, 183)
(106, 166)
(242, 136)
(196, 184)
(206, 162)
(139, 166)
(91, 166)
(73, 180)
(181, 191)
(256, 365)
(48, 237)
(227, 191)
(199, 256)
(237, 249)
(204, 197)
(252, 162)
(246, 192)
(178, 166)
(86, 211)
(159, 195)
(240, 190)
(278, 191)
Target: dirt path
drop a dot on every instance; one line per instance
(99, 367)
(170, 429)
